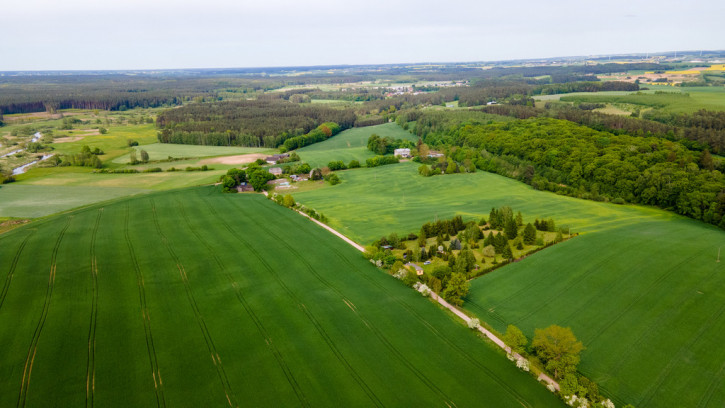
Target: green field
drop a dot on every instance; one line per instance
(161, 151)
(45, 191)
(32, 201)
(350, 144)
(195, 298)
(639, 287)
(674, 100)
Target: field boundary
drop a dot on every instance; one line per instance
(495, 339)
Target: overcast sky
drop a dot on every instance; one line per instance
(148, 34)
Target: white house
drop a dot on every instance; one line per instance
(402, 152)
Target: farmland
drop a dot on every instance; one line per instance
(637, 287)
(674, 99)
(350, 144)
(197, 298)
(161, 151)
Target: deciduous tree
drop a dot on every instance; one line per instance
(558, 348)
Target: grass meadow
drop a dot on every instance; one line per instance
(350, 144)
(675, 99)
(638, 287)
(196, 298)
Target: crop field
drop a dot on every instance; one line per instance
(677, 100)
(32, 201)
(401, 201)
(196, 298)
(638, 287)
(350, 144)
(161, 151)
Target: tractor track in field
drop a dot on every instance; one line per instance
(91, 365)
(13, 265)
(289, 375)
(150, 347)
(383, 339)
(568, 287)
(320, 329)
(652, 390)
(643, 293)
(608, 288)
(712, 387)
(461, 351)
(531, 284)
(219, 367)
(33, 349)
(656, 323)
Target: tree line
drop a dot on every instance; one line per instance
(560, 156)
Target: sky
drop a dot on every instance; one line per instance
(163, 34)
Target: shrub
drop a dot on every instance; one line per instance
(523, 364)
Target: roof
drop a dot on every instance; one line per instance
(417, 267)
(276, 157)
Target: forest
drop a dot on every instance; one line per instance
(567, 158)
(246, 123)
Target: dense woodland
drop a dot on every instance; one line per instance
(246, 123)
(560, 156)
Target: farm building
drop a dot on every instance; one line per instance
(435, 153)
(277, 171)
(244, 187)
(278, 182)
(275, 158)
(402, 152)
(418, 269)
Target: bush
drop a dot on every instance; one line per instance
(336, 165)
(474, 324)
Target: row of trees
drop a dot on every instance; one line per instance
(319, 134)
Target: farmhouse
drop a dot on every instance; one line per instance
(244, 187)
(277, 171)
(402, 152)
(435, 153)
(275, 158)
(418, 269)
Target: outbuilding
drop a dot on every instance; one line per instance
(417, 268)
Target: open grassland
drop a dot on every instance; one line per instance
(32, 201)
(675, 99)
(350, 145)
(640, 287)
(161, 151)
(370, 203)
(195, 298)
